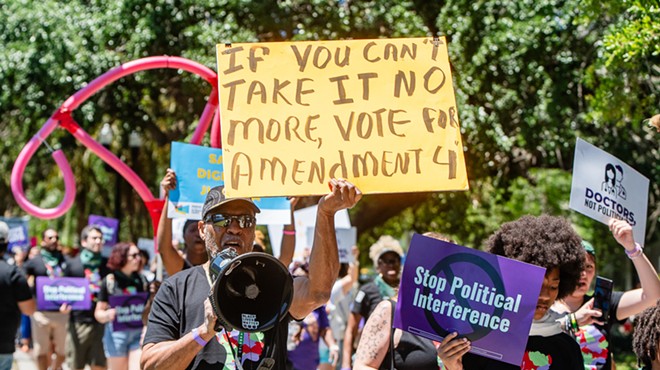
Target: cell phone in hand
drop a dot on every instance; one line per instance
(603, 296)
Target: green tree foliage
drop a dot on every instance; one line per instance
(625, 84)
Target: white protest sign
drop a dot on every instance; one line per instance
(346, 239)
(605, 188)
(304, 218)
(147, 245)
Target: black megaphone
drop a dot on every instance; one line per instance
(251, 292)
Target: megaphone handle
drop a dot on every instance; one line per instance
(218, 326)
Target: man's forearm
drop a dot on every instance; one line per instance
(314, 290)
(171, 355)
(324, 259)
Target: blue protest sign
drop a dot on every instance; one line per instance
(200, 168)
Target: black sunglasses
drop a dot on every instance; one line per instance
(221, 220)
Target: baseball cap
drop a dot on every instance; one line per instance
(588, 248)
(216, 198)
(4, 232)
(385, 244)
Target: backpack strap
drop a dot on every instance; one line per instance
(110, 283)
(145, 283)
(392, 337)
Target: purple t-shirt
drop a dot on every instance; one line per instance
(306, 354)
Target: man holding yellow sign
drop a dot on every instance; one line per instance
(380, 113)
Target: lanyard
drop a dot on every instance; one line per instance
(241, 336)
(237, 354)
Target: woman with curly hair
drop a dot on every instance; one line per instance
(548, 242)
(646, 338)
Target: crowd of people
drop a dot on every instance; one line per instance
(78, 338)
(333, 322)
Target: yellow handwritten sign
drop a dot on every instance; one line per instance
(381, 113)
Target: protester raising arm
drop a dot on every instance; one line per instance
(593, 331)
(635, 301)
(313, 291)
(288, 246)
(172, 260)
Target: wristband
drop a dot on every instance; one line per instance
(289, 232)
(635, 252)
(198, 339)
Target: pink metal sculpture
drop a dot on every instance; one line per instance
(62, 117)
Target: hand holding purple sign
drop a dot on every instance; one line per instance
(447, 288)
(128, 311)
(52, 293)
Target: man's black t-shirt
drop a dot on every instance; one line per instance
(75, 268)
(366, 300)
(555, 352)
(13, 289)
(36, 266)
(178, 308)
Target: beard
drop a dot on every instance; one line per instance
(212, 248)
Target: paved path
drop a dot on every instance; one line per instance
(24, 361)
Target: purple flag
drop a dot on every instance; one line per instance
(129, 310)
(486, 298)
(52, 293)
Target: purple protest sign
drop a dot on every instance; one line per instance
(486, 298)
(52, 293)
(128, 310)
(109, 228)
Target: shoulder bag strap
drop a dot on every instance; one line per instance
(392, 337)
